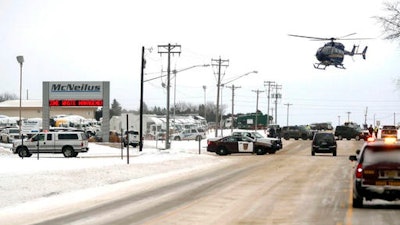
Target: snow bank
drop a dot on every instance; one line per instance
(27, 179)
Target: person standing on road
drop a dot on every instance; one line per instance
(376, 131)
(370, 130)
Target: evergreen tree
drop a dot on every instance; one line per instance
(116, 109)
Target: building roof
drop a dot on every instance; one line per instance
(24, 103)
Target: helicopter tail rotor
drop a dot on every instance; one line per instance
(354, 50)
(364, 52)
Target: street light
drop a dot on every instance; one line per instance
(205, 102)
(20, 60)
(221, 85)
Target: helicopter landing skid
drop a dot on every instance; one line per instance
(322, 66)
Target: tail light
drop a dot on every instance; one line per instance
(370, 139)
(359, 171)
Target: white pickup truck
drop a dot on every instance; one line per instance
(133, 138)
(67, 143)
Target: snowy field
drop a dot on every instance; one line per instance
(31, 183)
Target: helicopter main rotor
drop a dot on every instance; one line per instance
(329, 39)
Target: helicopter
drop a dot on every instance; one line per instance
(332, 53)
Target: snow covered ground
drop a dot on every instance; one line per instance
(29, 183)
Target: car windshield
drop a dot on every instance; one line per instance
(386, 154)
(14, 131)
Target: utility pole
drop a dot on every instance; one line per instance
(205, 101)
(233, 102)
(168, 49)
(268, 83)
(287, 113)
(348, 116)
(220, 63)
(258, 93)
(141, 101)
(365, 116)
(277, 95)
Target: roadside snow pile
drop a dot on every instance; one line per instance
(27, 179)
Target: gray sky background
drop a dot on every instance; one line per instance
(97, 40)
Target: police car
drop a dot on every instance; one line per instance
(237, 144)
(377, 172)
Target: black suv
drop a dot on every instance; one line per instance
(348, 133)
(323, 142)
(296, 132)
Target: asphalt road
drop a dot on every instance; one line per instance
(290, 187)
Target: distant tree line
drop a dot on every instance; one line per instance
(7, 96)
(181, 108)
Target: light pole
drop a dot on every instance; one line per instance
(20, 60)
(221, 85)
(287, 113)
(181, 70)
(205, 102)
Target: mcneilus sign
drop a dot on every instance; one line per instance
(77, 94)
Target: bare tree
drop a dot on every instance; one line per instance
(7, 96)
(391, 22)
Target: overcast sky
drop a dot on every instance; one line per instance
(74, 40)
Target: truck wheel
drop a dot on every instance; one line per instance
(68, 152)
(177, 138)
(304, 136)
(23, 152)
(286, 136)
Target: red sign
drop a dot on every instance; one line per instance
(67, 103)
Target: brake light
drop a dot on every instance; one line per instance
(370, 139)
(359, 171)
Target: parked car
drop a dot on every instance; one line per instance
(236, 144)
(67, 143)
(132, 139)
(377, 173)
(349, 133)
(388, 131)
(190, 134)
(324, 142)
(296, 132)
(274, 143)
(9, 134)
